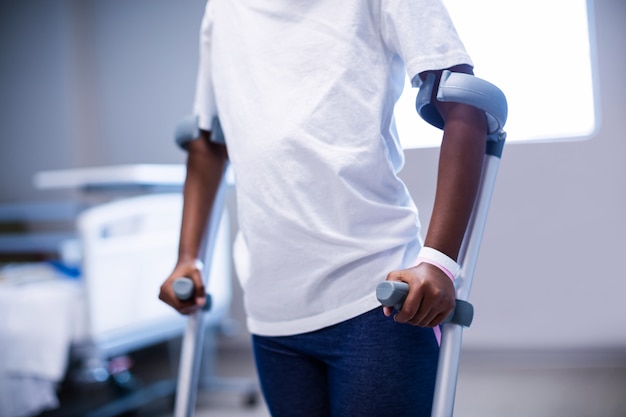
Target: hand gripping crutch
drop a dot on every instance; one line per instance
(457, 87)
(193, 338)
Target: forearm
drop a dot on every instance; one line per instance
(431, 293)
(206, 162)
(460, 164)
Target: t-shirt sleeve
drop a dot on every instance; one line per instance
(422, 33)
(204, 103)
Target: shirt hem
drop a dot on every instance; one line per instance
(310, 324)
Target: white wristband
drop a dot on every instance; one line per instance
(199, 265)
(440, 260)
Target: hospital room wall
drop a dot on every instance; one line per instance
(103, 82)
(549, 274)
(90, 83)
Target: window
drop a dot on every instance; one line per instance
(539, 52)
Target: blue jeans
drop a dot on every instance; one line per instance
(367, 366)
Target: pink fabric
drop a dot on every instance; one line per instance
(437, 331)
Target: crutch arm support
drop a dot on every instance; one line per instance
(188, 129)
(468, 89)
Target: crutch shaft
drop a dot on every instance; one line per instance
(193, 338)
(452, 334)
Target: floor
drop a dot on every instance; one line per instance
(496, 384)
(491, 384)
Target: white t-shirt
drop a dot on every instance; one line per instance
(305, 92)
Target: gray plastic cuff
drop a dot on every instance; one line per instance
(186, 131)
(462, 88)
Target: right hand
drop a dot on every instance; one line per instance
(184, 269)
(431, 296)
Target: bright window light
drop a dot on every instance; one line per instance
(539, 52)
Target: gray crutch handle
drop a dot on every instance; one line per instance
(393, 294)
(184, 289)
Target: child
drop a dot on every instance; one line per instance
(305, 92)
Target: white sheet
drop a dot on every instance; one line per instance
(127, 248)
(38, 322)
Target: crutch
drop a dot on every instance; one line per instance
(470, 90)
(193, 338)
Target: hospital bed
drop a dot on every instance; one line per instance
(124, 245)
